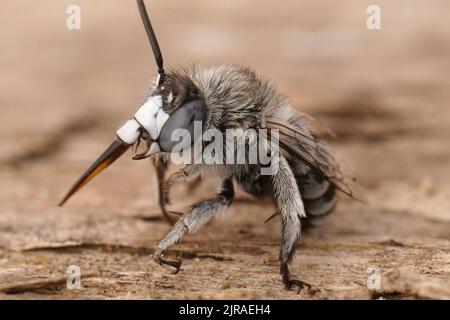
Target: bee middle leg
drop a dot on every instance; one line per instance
(191, 221)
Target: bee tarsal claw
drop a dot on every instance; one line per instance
(176, 264)
(297, 283)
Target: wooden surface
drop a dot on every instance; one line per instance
(385, 93)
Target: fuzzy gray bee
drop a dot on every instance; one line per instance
(229, 97)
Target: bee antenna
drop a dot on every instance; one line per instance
(153, 41)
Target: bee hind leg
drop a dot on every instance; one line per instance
(290, 283)
(290, 206)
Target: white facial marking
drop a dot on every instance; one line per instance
(129, 132)
(152, 117)
(146, 115)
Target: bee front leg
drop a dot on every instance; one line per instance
(290, 206)
(197, 216)
(161, 167)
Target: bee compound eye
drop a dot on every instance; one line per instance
(179, 127)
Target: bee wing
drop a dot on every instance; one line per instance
(302, 148)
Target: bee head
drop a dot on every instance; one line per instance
(174, 105)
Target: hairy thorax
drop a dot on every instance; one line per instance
(236, 97)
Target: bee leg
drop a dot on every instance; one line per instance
(184, 174)
(178, 176)
(191, 221)
(161, 168)
(290, 206)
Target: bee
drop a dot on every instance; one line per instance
(303, 188)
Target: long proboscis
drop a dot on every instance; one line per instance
(118, 148)
(111, 154)
(151, 37)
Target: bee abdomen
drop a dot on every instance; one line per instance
(312, 186)
(319, 197)
(321, 206)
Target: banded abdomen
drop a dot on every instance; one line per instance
(319, 196)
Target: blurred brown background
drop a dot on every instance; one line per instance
(385, 93)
